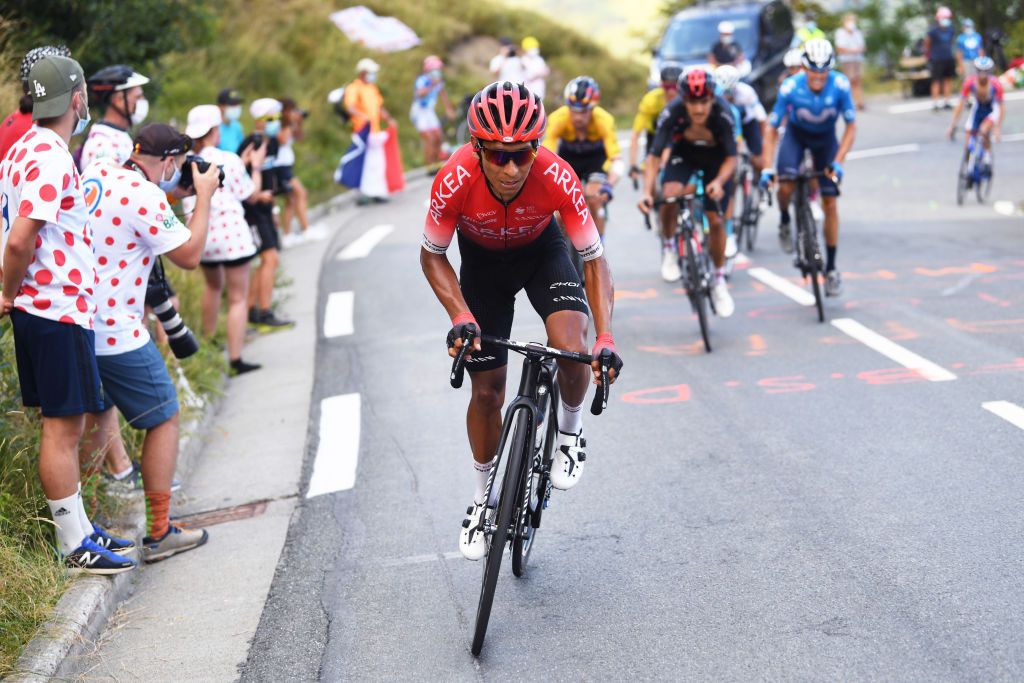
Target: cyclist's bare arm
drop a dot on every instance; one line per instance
(849, 133)
(634, 150)
(601, 295)
(771, 139)
(441, 276)
(956, 117)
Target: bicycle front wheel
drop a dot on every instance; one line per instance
(984, 185)
(753, 218)
(534, 490)
(811, 255)
(697, 290)
(962, 179)
(515, 442)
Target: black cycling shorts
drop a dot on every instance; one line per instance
(679, 170)
(263, 226)
(490, 281)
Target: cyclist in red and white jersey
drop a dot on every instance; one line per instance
(984, 92)
(498, 193)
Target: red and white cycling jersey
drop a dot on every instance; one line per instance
(461, 200)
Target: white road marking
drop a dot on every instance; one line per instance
(883, 151)
(1013, 137)
(364, 244)
(1011, 412)
(1005, 207)
(782, 285)
(927, 104)
(338, 314)
(893, 351)
(337, 454)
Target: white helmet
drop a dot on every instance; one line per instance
(818, 55)
(793, 57)
(726, 27)
(727, 76)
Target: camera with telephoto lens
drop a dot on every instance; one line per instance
(158, 297)
(187, 182)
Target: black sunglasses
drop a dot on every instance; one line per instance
(501, 157)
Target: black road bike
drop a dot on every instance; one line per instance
(528, 435)
(749, 201)
(809, 259)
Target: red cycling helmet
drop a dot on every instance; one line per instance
(506, 112)
(696, 84)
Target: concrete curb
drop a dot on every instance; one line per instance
(81, 614)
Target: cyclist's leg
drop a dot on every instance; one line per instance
(791, 152)
(754, 139)
(823, 155)
(593, 182)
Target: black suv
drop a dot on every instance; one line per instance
(764, 29)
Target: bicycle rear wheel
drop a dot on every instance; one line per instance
(811, 255)
(753, 218)
(743, 190)
(963, 179)
(697, 290)
(515, 440)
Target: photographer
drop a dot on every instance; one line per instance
(118, 89)
(133, 225)
(230, 246)
(506, 65)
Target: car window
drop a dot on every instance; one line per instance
(691, 38)
(781, 22)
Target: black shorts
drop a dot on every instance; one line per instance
(490, 281)
(679, 170)
(234, 263)
(752, 136)
(56, 366)
(589, 168)
(264, 228)
(942, 68)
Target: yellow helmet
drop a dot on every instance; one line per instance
(531, 43)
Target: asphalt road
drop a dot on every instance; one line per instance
(793, 506)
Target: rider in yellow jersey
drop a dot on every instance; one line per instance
(583, 134)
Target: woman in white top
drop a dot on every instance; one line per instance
(850, 46)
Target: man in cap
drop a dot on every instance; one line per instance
(20, 120)
(535, 69)
(49, 280)
(726, 50)
(365, 105)
(119, 91)
(230, 102)
(134, 225)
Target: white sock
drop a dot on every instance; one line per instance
(121, 475)
(83, 518)
(570, 418)
(69, 526)
(482, 471)
(719, 276)
(667, 245)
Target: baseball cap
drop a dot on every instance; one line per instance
(366, 64)
(161, 140)
(229, 96)
(201, 120)
(726, 27)
(51, 82)
(264, 106)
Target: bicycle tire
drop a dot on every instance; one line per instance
(549, 445)
(696, 289)
(811, 255)
(961, 179)
(984, 187)
(507, 503)
(743, 190)
(534, 489)
(754, 219)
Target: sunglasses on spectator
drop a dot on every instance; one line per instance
(501, 157)
(272, 117)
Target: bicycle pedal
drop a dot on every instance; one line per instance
(583, 442)
(469, 510)
(582, 457)
(465, 524)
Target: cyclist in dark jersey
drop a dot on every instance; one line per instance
(699, 131)
(498, 193)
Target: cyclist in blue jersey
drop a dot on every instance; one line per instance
(811, 102)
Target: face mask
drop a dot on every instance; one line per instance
(435, 74)
(945, 23)
(272, 128)
(83, 121)
(233, 113)
(850, 26)
(371, 78)
(141, 111)
(533, 52)
(726, 40)
(969, 30)
(811, 26)
(171, 183)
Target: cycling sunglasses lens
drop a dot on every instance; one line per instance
(500, 157)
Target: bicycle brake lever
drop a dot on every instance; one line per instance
(601, 395)
(459, 365)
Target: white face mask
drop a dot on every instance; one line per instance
(141, 111)
(371, 77)
(726, 38)
(233, 113)
(850, 26)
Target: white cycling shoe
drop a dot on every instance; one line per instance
(731, 247)
(567, 462)
(472, 542)
(720, 296)
(670, 271)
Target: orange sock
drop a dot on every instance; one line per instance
(158, 509)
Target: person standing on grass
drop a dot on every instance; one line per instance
(49, 280)
(230, 246)
(364, 166)
(134, 225)
(296, 197)
(230, 101)
(427, 90)
(850, 47)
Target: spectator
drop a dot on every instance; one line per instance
(119, 90)
(49, 275)
(230, 101)
(507, 65)
(296, 198)
(535, 69)
(363, 167)
(968, 48)
(259, 210)
(850, 46)
(20, 120)
(726, 50)
(229, 246)
(808, 31)
(133, 225)
(428, 88)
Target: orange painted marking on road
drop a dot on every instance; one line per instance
(758, 287)
(1011, 326)
(694, 349)
(985, 296)
(757, 345)
(649, 293)
(1016, 366)
(837, 375)
(732, 383)
(891, 376)
(956, 270)
(876, 275)
(898, 332)
(957, 366)
(785, 385)
(676, 393)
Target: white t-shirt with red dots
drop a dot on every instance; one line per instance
(38, 180)
(132, 224)
(106, 141)
(229, 237)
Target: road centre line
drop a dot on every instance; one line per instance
(893, 351)
(338, 314)
(782, 285)
(926, 105)
(883, 151)
(1012, 137)
(364, 244)
(337, 454)
(1011, 412)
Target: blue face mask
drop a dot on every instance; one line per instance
(83, 122)
(272, 128)
(945, 23)
(170, 184)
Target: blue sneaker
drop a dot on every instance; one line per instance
(121, 546)
(90, 558)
